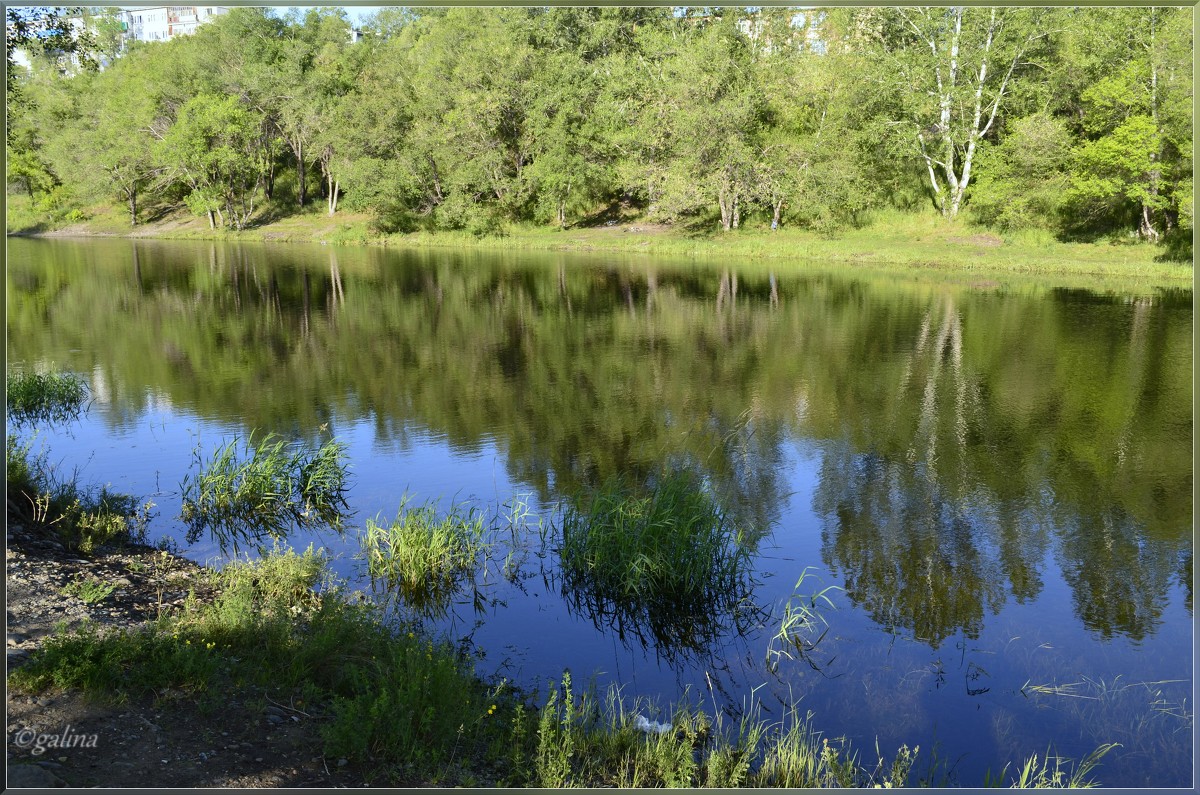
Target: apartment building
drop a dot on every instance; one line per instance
(162, 23)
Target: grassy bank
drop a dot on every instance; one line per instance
(411, 710)
(921, 242)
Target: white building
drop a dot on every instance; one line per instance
(162, 23)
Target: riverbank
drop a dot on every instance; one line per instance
(915, 242)
(185, 677)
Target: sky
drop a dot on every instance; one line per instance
(356, 13)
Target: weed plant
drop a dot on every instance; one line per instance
(798, 636)
(90, 590)
(270, 489)
(1052, 772)
(36, 398)
(668, 566)
(82, 519)
(423, 558)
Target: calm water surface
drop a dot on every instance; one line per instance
(997, 480)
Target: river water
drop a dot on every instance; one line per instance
(995, 480)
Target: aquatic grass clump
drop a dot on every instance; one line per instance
(271, 488)
(668, 565)
(798, 636)
(422, 557)
(34, 398)
(80, 518)
(583, 744)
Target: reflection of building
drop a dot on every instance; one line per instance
(166, 22)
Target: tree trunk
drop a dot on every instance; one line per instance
(777, 213)
(211, 223)
(302, 191)
(726, 218)
(949, 179)
(1146, 227)
(133, 206)
(1148, 231)
(334, 186)
(737, 213)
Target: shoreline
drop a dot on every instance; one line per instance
(919, 244)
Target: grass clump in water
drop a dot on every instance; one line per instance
(422, 557)
(81, 519)
(270, 489)
(34, 398)
(667, 565)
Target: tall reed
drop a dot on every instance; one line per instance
(421, 557)
(269, 489)
(668, 565)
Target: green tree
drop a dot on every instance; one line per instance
(1133, 167)
(571, 155)
(44, 30)
(112, 141)
(1023, 179)
(472, 84)
(813, 145)
(215, 146)
(701, 127)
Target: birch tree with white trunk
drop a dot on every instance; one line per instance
(952, 70)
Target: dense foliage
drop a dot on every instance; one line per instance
(1076, 121)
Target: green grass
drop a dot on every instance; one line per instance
(44, 398)
(802, 627)
(582, 744)
(421, 557)
(264, 492)
(668, 564)
(82, 519)
(1051, 772)
(911, 241)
